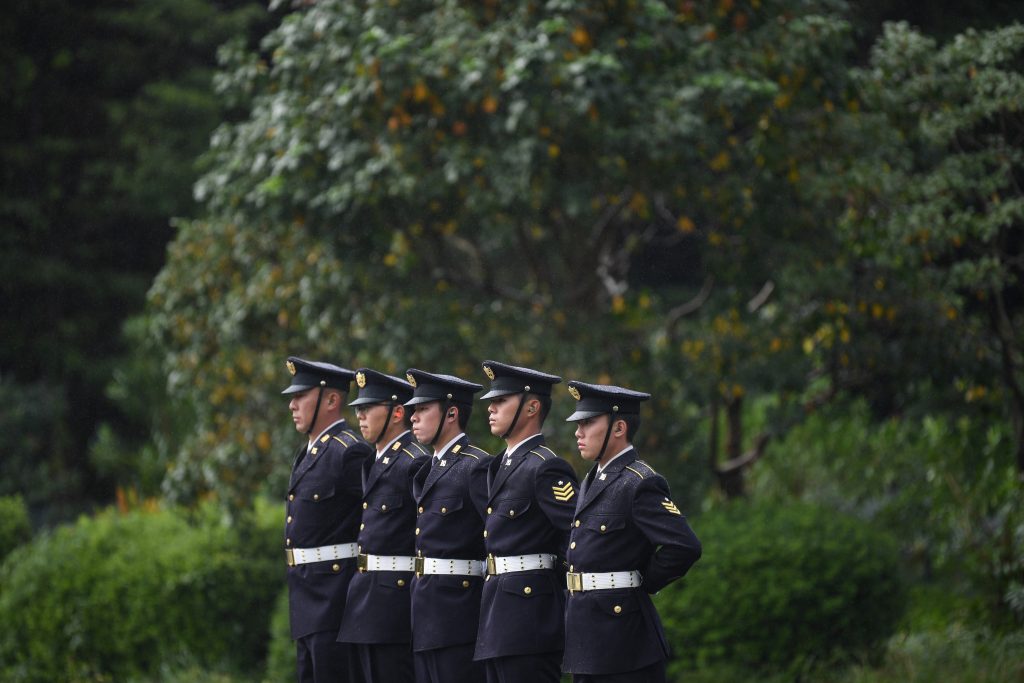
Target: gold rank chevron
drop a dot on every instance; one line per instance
(563, 493)
(671, 507)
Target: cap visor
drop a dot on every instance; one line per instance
(365, 401)
(582, 415)
(296, 389)
(417, 400)
(495, 393)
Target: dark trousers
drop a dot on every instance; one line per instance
(319, 659)
(384, 663)
(448, 665)
(655, 673)
(539, 668)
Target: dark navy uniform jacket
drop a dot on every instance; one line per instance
(529, 510)
(623, 522)
(377, 610)
(451, 500)
(323, 508)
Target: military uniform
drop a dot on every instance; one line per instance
(451, 496)
(377, 613)
(628, 540)
(530, 504)
(322, 511)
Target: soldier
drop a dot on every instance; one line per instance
(628, 540)
(530, 505)
(376, 619)
(322, 516)
(451, 495)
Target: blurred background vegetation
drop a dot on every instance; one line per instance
(797, 223)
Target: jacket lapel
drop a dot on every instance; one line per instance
(381, 465)
(607, 476)
(445, 465)
(505, 471)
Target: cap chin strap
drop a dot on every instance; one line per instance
(515, 418)
(440, 423)
(607, 433)
(316, 411)
(387, 421)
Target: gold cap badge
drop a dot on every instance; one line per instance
(291, 366)
(412, 380)
(360, 380)
(489, 372)
(574, 392)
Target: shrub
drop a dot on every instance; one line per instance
(781, 589)
(281, 650)
(14, 526)
(114, 596)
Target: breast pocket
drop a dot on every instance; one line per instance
(384, 504)
(445, 506)
(604, 524)
(512, 508)
(317, 492)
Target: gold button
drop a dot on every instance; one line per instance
(572, 545)
(400, 582)
(365, 505)
(417, 531)
(291, 496)
(604, 528)
(527, 590)
(420, 510)
(287, 541)
(336, 567)
(383, 506)
(490, 510)
(617, 609)
(465, 584)
(289, 520)
(485, 533)
(362, 526)
(511, 513)
(577, 522)
(316, 496)
(444, 510)
(571, 568)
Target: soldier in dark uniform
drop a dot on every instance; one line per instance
(322, 517)
(376, 619)
(451, 496)
(530, 505)
(628, 541)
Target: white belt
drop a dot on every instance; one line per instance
(385, 563)
(581, 581)
(436, 565)
(324, 553)
(519, 563)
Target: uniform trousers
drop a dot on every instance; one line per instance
(655, 673)
(319, 659)
(384, 663)
(448, 665)
(534, 668)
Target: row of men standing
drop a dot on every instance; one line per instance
(414, 555)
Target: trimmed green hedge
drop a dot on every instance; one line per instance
(15, 529)
(783, 589)
(115, 596)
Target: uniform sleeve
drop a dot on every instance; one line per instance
(556, 491)
(357, 456)
(478, 485)
(676, 546)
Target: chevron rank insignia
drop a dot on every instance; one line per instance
(563, 492)
(670, 506)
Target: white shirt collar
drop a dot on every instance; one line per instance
(601, 468)
(318, 436)
(511, 448)
(438, 452)
(390, 443)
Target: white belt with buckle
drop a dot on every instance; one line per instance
(385, 563)
(342, 551)
(437, 565)
(583, 581)
(519, 563)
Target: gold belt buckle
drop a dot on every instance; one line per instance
(417, 565)
(574, 580)
(492, 567)
(289, 556)
(362, 562)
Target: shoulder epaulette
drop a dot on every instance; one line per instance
(406, 451)
(539, 454)
(343, 442)
(476, 456)
(553, 454)
(641, 469)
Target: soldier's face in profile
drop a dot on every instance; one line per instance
(590, 435)
(500, 413)
(371, 419)
(302, 407)
(425, 418)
